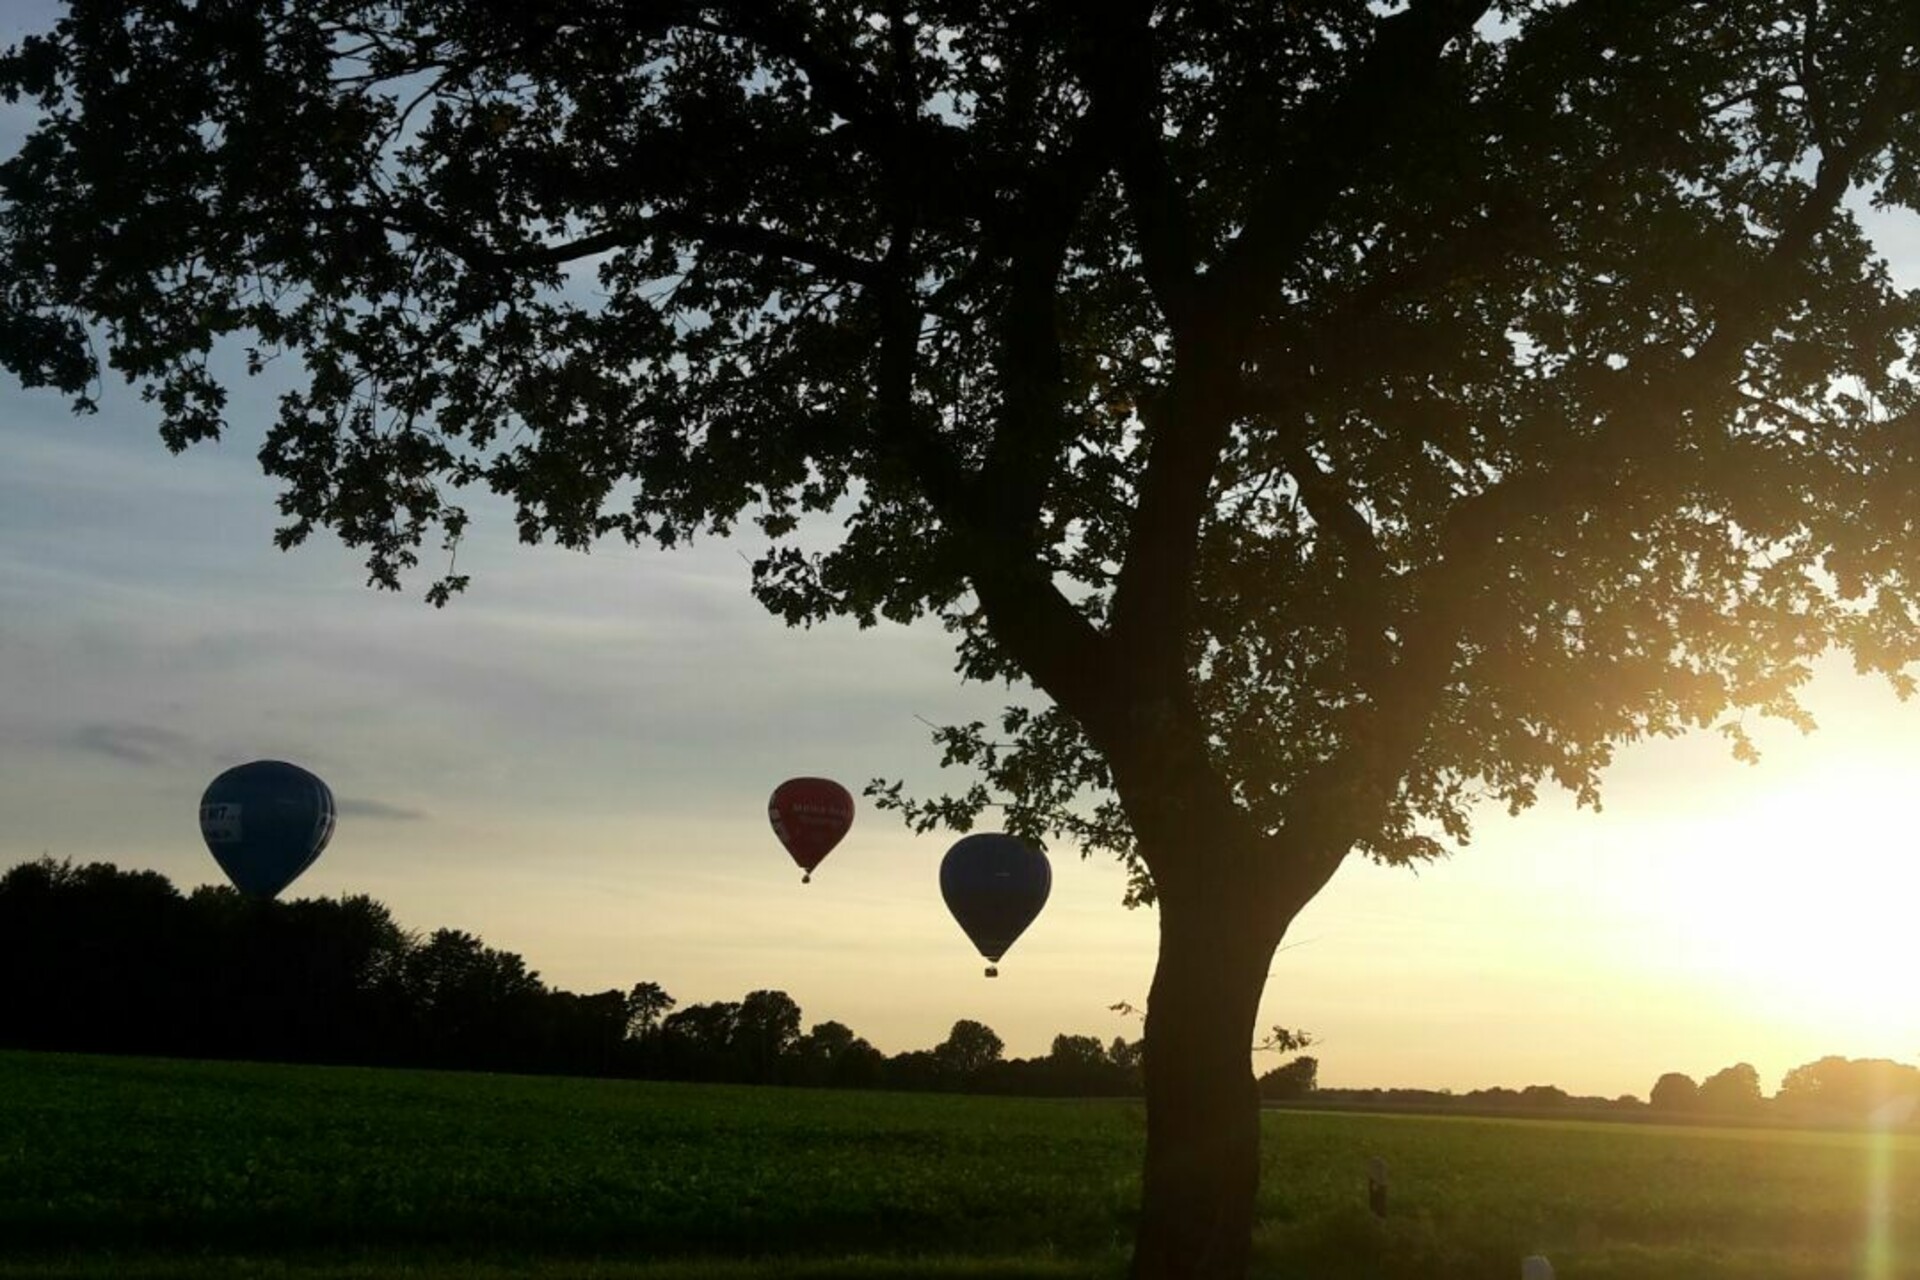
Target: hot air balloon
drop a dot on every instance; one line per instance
(810, 815)
(265, 823)
(994, 885)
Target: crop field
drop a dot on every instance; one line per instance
(146, 1167)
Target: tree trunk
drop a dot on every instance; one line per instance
(1203, 1107)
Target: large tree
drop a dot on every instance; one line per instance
(1341, 414)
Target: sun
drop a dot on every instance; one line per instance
(1801, 897)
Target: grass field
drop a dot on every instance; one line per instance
(137, 1166)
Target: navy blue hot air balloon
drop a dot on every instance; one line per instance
(994, 885)
(265, 823)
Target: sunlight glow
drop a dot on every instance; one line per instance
(1798, 899)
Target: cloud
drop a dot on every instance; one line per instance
(132, 743)
(379, 810)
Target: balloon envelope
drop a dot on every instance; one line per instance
(994, 885)
(810, 815)
(265, 823)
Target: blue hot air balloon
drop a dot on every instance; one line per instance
(994, 885)
(265, 823)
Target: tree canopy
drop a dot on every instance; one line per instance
(1429, 401)
(1675, 1091)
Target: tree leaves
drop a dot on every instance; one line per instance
(1549, 395)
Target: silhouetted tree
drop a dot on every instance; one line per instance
(580, 1034)
(119, 961)
(1339, 412)
(1293, 1079)
(917, 1069)
(818, 1052)
(474, 1005)
(765, 1032)
(1848, 1088)
(969, 1050)
(860, 1066)
(1732, 1090)
(1078, 1066)
(831, 1054)
(698, 1042)
(332, 974)
(90, 958)
(1674, 1091)
(647, 1003)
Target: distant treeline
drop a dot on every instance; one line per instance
(97, 959)
(1832, 1090)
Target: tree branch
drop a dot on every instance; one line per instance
(1049, 638)
(921, 143)
(1189, 426)
(1344, 132)
(1346, 337)
(776, 28)
(1117, 62)
(733, 236)
(1030, 432)
(1364, 586)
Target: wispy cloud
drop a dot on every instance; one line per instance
(378, 810)
(142, 744)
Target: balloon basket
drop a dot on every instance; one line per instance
(992, 972)
(807, 878)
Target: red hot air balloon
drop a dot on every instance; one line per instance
(810, 815)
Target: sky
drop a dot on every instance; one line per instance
(573, 761)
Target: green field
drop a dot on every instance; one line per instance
(138, 1166)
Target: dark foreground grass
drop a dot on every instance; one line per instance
(153, 1160)
(1614, 1201)
(134, 1166)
